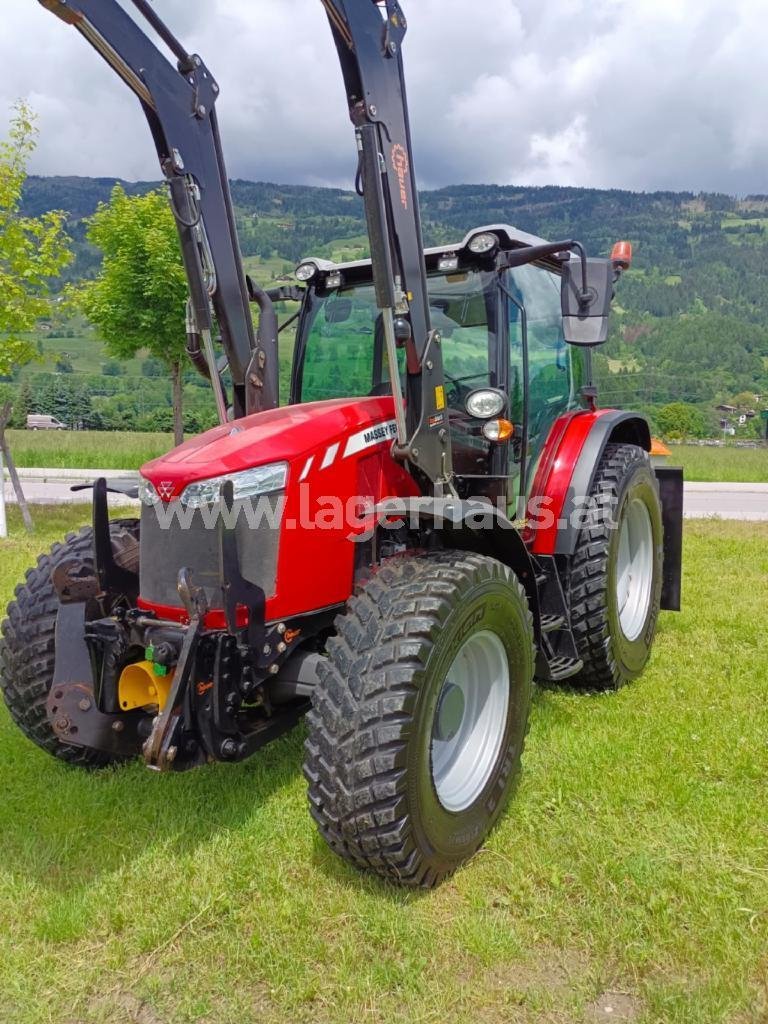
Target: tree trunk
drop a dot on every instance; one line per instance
(5, 415)
(178, 398)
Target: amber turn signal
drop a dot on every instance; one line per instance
(621, 255)
(498, 430)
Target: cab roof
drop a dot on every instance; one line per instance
(509, 237)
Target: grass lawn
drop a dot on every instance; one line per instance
(124, 450)
(86, 449)
(630, 871)
(721, 464)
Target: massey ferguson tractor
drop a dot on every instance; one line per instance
(440, 514)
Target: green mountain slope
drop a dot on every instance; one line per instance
(692, 314)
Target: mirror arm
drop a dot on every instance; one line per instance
(531, 253)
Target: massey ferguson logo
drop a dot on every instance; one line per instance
(400, 164)
(165, 489)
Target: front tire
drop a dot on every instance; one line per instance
(616, 572)
(418, 722)
(28, 635)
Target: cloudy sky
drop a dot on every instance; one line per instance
(639, 94)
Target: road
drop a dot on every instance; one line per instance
(702, 501)
(726, 501)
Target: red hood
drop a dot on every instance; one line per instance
(280, 435)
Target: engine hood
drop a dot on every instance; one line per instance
(287, 434)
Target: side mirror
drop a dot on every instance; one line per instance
(586, 310)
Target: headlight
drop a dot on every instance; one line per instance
(484, 243)
(147, 492)
(485, 403)
(306, 271)
(249, 483)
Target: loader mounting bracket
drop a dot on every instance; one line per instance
(76, 720)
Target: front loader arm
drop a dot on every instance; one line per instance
(179, 104)
(368, 38)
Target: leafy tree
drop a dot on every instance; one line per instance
(152, 368)
(138, 298)
(32, 249)
(111, 368)
(679, 420)
(64, 364)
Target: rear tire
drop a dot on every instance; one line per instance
(27, 639)
(409, 769)
(616, 572)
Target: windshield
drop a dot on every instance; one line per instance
(344, 353)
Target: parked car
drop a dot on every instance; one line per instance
(37, 422)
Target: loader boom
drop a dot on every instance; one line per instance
(369, 42)
(179, 104)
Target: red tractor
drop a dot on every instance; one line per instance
(440, 513)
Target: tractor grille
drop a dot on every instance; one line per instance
(183, 540)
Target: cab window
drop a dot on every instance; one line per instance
(344, 354)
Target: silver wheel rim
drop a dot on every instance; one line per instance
(470, 720)
(634, 568)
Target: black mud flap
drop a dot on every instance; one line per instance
(670, 480)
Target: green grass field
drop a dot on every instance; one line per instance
(92, 450)
(630, 871)
(729, 464)
(86, 449)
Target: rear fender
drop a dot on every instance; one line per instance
(469, 526)
(567, 471)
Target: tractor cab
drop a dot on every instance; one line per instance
(509, 373)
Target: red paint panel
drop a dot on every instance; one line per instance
(337, 453)
(279, 435)
(553, 477)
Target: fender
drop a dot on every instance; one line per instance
(471, 525)
(567, 470)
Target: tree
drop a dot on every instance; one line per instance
(32, 249)
(138, 298)
(679, 420)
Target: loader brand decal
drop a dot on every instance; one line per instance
(370, 437)
(400, 164)
(437, 420)
(165, 489)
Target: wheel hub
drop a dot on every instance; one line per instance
(450, 712)
(634, 568)
(470, 721)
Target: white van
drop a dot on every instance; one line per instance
(37, 422)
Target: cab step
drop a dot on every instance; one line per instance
(564, 668)
(549, 623)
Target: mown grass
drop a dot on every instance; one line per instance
(126, 450)
(727, 464)
(83, 449)
(632, 864)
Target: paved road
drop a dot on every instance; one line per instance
(724, 501)
(53, 486)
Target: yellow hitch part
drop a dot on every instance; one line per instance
(140, 687)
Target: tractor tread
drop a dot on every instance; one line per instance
(589, 575)
(27, 640)
(363, 707)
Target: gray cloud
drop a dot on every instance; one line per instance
(607, 93)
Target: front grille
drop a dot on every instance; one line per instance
(174, 538)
